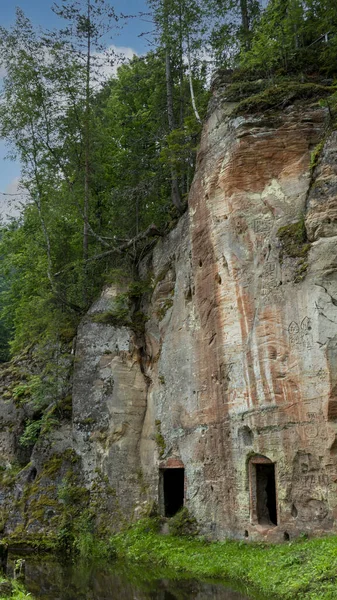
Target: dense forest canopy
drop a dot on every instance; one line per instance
(108, 164)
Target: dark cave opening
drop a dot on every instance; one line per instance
(173, 487)
(32, 475)
(266, 494)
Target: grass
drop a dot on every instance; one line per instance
(304, 569)
(17, 590)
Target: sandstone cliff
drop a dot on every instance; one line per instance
(232, 383)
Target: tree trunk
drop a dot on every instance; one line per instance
(197, 116)
(176, 198)
(86, 161)
(245, 23)
(169, 89)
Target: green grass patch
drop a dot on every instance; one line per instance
(13, 590)
(304, 569)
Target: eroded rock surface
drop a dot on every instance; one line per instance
(243, 374)
(109, 402)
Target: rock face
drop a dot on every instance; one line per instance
(109, 403)
(227, 402)
(243, 363)
(240, 346)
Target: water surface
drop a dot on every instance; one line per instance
(51, 580)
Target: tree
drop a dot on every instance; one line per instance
(177, 22)
(89, 22)
(294, 36)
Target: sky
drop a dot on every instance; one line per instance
(40, 13)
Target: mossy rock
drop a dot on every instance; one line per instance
(241, 90)
(183, 524)
(294, 240)
(160, 442)
(280, 95)
(111, 317)
(295, 244)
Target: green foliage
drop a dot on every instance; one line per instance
(8, 474)
(38, 428)
(131, 153)
(31, 433)
(293, 36)
(87, 546)
(123, 311)
(29, 390)
(13, 590)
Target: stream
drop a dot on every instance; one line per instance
(51, 580)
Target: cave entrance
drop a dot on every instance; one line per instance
(173, 487)
(266, 494)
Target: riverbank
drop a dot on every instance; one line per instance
(303, 569)
(296, 570)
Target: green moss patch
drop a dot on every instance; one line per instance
(316, 153)
(280, 95)
(161, 445)
(295, 244)
(183, 524)
(241, 90)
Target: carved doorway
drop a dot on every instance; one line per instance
(172, 486)
(263, 491)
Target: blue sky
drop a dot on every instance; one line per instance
(39, 12)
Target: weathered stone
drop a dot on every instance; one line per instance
(109, 402)
(246, 367)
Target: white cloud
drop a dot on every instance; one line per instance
(11, 205)
(109, 61)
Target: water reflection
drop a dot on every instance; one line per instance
(55, 581)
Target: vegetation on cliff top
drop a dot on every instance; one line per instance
(281, 94)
